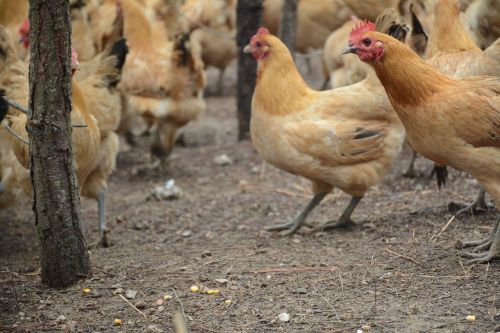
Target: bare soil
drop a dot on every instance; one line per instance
(388, 272)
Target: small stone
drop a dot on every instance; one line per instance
(284, 317)
(296, 240)
(61, 319)
(228, 302)
(141, 305)
(203, 278)
(186, 233)
(130, 294)
(159, 302)
(223, 160)
(221, 281)
(167, 297)
(21, 314)
(117, 285)
(269, 277)
(118, 291)
(95, 294)
(206, 253)
(301, 291)
(160, 309)
(365, 328)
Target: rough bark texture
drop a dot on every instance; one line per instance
(249, 15)
(288, 24)
(64, 258)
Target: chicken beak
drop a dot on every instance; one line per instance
(349, 49)
(247, 49)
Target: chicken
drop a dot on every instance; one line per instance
(96, 103)
(452, 50)
(13, 15)
(483, 19)
(451, 121)
(213, 25)
(344, 138)
(163, 80)
(81, 31)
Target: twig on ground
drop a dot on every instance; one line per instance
(133, 306)
(434, 238)
(295, 269)
(402, 256)
(182, 314)
(179, 323)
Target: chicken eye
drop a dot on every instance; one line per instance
(258, 44)
(366, 42)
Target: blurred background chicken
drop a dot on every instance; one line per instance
(96, 104)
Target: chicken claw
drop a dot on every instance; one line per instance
(345, 218)
(294, 225)
(492, 243)
(477, 206)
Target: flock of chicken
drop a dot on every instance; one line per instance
(139, 67)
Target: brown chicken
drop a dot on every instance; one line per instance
(96, 103)
(483, 19)
(453, 122)
(452, 50)
(344, 138)
(13, 15)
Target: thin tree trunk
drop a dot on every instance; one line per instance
(249, 17)
(64, 258)
(288, 24)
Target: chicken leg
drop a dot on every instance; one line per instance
(101, 210)
(478, 205)
(220, 82)
(410, 172)
(345, 218)
(292, 226)
(491, 244)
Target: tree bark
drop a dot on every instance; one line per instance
(249, 18)
(64, 257)
(288, 24)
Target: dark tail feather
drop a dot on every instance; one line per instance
(4, 106)
(441, 175)
(182, 48)
(120, 50)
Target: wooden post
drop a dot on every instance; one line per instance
(64, 257)
(249, 13)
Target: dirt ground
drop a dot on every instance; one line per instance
(389, 272)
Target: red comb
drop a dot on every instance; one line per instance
(25, 28)
(362, 27)
(262, 31)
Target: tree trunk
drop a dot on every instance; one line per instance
(249, 16)
(64, 257)
(288, 24)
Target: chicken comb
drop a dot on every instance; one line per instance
(25, 28)
(361, 28)
(262, 31)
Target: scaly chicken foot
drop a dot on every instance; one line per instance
(101, 210)
(478, 205)
(345, 218)
(292, 226)
(2, 187)
(220, 82)
(482, 242)
(494, 248)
